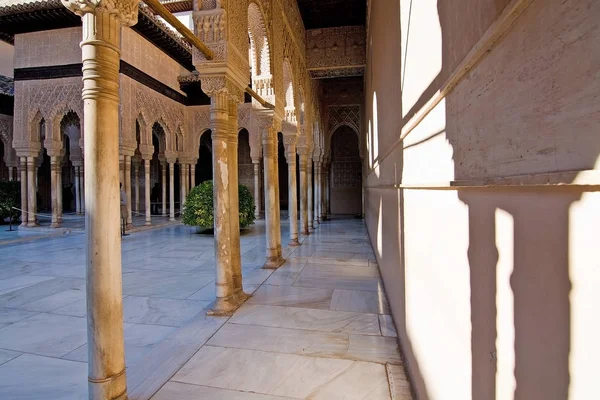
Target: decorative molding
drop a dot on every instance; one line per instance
(343, 72)
(48, 72)
(148, 81)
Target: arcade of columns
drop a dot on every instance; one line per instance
(112, 152)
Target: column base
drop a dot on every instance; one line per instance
(112, 388)
(306, 233)
(32, 224)
(294, 243)
(226, 306)
(172, 219)
(129, 226)
(55, 225)
(148, 223)
(273, 262)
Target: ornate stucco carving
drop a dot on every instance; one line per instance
(125, 10)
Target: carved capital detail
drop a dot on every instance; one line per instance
(126, 11)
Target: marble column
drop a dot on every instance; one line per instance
(323, 193)
(136, 184)
(318, 192)
(226, 300)
(59, 190)
(54, 191)
(181, 186)
(163, 187)
(303, 152)
(309, 178)
(192, 177)
(102, 21)
(10, 174)
(24, 208)
(234, 198)
(31, 192)
(77, 190)
(327, 190)
(127, 185)
(290, 156)
(256, 165)
(82, 188)
(271, 183)
(147, 191)
(172, 190)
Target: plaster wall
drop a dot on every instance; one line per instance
(7, 54)
(491, 287)
(61, 47)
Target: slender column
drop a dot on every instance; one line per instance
(163, 187)
(82, 188)
(77, 190)
(180, 187)
(323, 193)
(136, 178)
(309, 178)
(102, 20)
(128, 190)
(225, 301)
(24, 207)
(10, 174)
(31, 192)
(328, 191)
(59, 190)
(172, 191)
(303, 191)
(318, 192)
(271, 183)
(192, 176)
(290, 155)
(147, 191)
(234, 198)
(256, 164)
(54, 191)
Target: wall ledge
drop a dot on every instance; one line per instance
(581, 178)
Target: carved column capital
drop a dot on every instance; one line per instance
(125, 11)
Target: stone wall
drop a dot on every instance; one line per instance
(481, 192)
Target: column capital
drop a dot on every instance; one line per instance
(222, 84)
(256, 160)
(125, 11)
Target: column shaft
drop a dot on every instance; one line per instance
(31, 192)
(272, 213)
(147, 191)
(256, 164)
(136, 177)
(163, 187)
(127, 184)
(54, 191)
(172, 191)
(292, 195)
(303, 193)
(59, 189)
(234, 198)
(106, 352)
(225, 291)
(77, 190)
(24, 192)
(309, 178)
(192, 176)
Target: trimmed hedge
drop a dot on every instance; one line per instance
(10, 196)
(198, 207)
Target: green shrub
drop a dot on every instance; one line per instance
(10, 196)
(198, 208)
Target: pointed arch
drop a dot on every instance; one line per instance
(260, 50)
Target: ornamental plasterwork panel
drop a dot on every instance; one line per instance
(43, 99)
(156, 106)
(336, 47)
(343, 72)
(348, 115)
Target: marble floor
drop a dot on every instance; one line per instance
(319, 327)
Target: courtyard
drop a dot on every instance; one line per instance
(317, 327)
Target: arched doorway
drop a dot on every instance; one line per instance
(204, 169)
(346, 173)
(245, 167)
(283, 173)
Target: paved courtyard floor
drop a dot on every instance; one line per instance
(316, 328)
